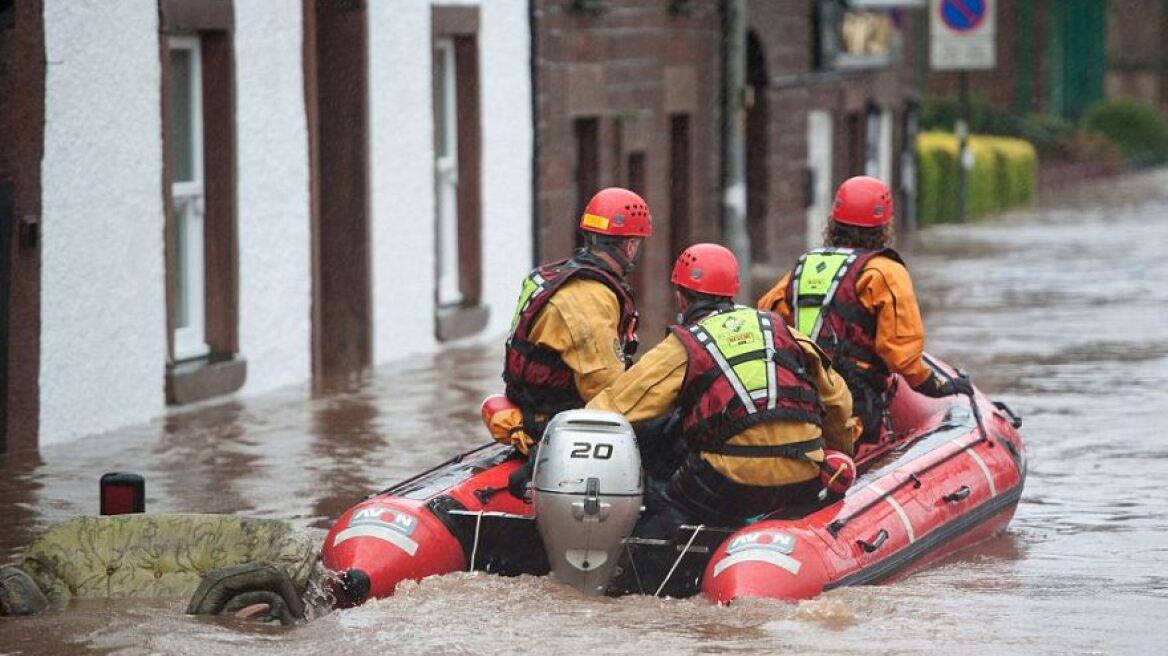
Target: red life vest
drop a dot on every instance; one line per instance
(536, 377)
(847, 330)
(716, 404)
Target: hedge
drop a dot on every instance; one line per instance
(1004, 175)
(1140, 132)
(1051, 135)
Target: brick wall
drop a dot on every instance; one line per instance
(1137, 57)
(630, 65)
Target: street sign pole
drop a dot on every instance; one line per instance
(962, 38)
(963, 155)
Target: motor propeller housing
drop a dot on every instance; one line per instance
(587, 490)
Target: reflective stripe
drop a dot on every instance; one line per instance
(768, 338)
(711, 347)
(980, 463)
(912, 536)
(839, 276)
(526, 298)
(759, 555)
(985, 470)
(390, 535)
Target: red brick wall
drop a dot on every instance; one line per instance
(635, 62)
(631, 65)
(785, 28)
(1137, 55)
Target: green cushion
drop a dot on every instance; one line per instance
(147, 556)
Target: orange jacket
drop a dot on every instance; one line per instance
(885, 289)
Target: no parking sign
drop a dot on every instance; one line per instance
(962, 34)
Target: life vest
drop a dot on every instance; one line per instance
(826, 307)
(536, 377)
(744, 368)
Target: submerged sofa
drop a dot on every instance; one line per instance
(149, 556)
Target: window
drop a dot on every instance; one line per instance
(185, 131)
(198, 121)
(457, 172)
(878, 144)
(446, 171)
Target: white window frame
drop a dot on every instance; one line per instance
(878, 144)
(446, 177)
(820, 130)
(188, 201)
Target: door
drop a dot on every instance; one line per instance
(5, 245)
(819, 130)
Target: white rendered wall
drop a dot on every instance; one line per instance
(402, 168)
(275, 270)
(505, 60)
(401, 177)
(103, 309)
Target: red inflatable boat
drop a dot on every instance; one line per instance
(949, 474)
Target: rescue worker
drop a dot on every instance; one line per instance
(756, 406)
(574, 329)
(854, 297)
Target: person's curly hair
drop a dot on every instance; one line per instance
(842, 235)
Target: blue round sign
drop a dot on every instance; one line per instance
(962, 15)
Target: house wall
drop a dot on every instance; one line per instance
(103, 339)
(275, 276)
(401, 119)
(630, 65)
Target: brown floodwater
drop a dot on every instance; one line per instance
(1059, 311)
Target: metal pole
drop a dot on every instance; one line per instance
(963, 149)
(734, 228)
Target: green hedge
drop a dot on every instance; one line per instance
(1004, 175)
(1140, 132)
(1051, 135)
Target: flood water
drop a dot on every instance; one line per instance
(1059, 311)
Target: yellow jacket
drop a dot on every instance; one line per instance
(581, 322)
(649, 388)
(885, 289)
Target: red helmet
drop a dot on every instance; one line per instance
(862, 201)
(707, 269)
(617, 212)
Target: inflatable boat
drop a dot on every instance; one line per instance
(946, 474)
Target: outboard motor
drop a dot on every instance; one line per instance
(587, 495)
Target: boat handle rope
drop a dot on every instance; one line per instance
(876, 542)
(958, 495)
(914, 478)
(474, 551)
(417, 477)
(697, 529)
(1015, 419)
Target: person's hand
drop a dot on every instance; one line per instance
(936, 388)
(518, 480)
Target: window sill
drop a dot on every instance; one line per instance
(457, 322)
(196, 380)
